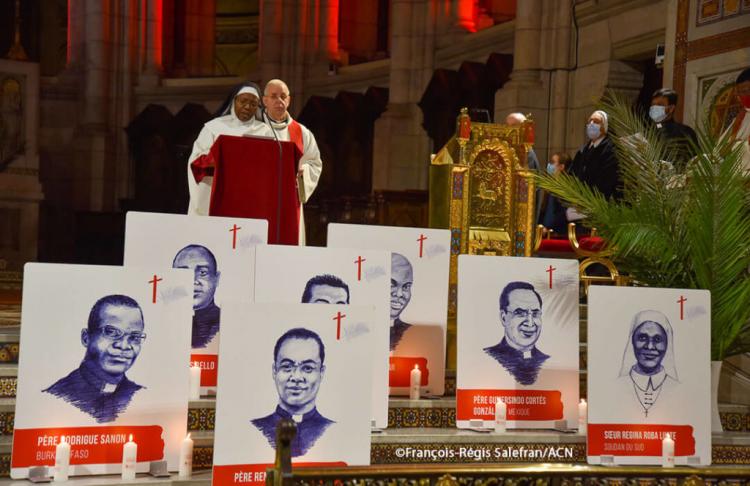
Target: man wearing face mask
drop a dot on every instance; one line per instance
(596, 163)
(741, 124)
(237, 117)
(677, 136)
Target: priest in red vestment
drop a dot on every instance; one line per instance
(276, 100)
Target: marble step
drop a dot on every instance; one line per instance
(452, 446)
(437, 413)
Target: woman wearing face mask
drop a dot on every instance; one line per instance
(595, 163)
(553, 212)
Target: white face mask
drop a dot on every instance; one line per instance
(657, 113)
(593, 130)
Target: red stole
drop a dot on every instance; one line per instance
(295, 136)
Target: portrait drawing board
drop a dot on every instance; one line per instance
(220, 252)
(649, 374)
(290, 274)
(311, 364)
(517, 341)
(105, 356)
(420, 262)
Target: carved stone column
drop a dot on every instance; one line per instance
(153, 69)
(401, 146)
(20, 190)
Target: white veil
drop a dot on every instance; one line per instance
(628, 357)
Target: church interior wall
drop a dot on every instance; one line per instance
(612, 44)
(705, 49)
(476, 47)
(715, 18)
(714, 46)
(614, 39)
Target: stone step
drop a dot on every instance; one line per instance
(10, 315)
(444, 446)
(435, 413)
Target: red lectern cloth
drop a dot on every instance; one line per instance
(252, 181)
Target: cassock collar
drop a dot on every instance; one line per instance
(97, 378)
(209, 312)
(279, 125)
(645, 381)
(528, 354)
(297, 418)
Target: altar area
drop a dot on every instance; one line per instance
(482, 193)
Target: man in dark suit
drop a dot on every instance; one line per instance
(521, 316)
(206, 314)
(402, 278)
(677, 136)
(325, 289)
(596, 163)
(113, 339)
(298, 369)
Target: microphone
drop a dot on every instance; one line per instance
(279, 167)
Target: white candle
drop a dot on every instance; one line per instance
(583, 416)
(667, 451)
(414, 383)
(62, 460)
(500, 416)
(195, 382)
(186, 458)
(129, 455)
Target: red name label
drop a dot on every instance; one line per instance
(638, 440)
(255, 473)
(400, 367)
(209, 365)
(521, 404)
(88, 445)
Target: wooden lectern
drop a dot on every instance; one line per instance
(255, 178)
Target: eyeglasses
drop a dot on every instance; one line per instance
(305, 368)
(523, 313)
(114, 334)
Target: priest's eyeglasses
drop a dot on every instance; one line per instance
(282, 96)
(523, 313)
(114, 334)
(306, 367)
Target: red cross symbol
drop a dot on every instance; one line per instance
(421, 243)
(154, 282)
(550, 270)
(234, 230)
(338, 318)
(682, 301)
(359, 261)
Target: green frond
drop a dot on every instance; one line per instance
(680, 229)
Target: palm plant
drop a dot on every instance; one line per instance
(679, 229)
